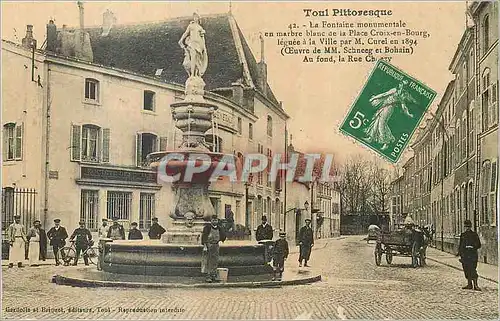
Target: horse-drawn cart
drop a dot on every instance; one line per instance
(404, 242)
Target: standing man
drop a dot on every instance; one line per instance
(57, 236)
(116, 231)
(43, 241)
(156, 230)
(134, 233)
(34, 238)
(280, 255)
(306, 242)
(229, 219)
(82, 242)
(17, 240)
(467, 249)
(103, 229)
(264, 231)
(212, 234)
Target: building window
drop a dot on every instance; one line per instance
(250, 131)
(13, 141)
(146, 143)
(217, 146)
(89, 208)
(269, 161)
(149, 100)
(486, 33)
(119, 204)
(486, 175)
(260, 150)
(89, 143)
(269, 126)
(464, 136)
(493, 112)
(457, 142)
(485, 99)
(146, 210)
(92, 89)
(471, 130)
(493, 190)
(240, 126)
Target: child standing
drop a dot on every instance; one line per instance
(280, 255)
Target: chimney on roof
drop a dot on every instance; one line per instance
(108, 20)
(262, 81)
(82, 46)
(28, 41)
(51, 36)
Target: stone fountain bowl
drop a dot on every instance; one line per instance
(174, 166)
(151, 257)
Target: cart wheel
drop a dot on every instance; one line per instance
(67, 254)
(388, 255)
(93, 256)
(378, 254)
(415, 255)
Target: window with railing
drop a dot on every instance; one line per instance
(89, 208)
(119, 205)
(89, 143)
(146, 210)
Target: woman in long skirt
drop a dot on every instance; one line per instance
(34, 245)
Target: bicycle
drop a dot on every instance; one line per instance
(68, 253)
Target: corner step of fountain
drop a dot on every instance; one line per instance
(91, 277)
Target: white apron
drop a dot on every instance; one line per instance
(34, 250)
(16, 251)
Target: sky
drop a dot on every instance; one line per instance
(316, 96)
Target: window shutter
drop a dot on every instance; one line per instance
(76, 136)
(493, 181)
(105, 145)
(19, 141)
(163, 143)
(138, 150)
(5, 143)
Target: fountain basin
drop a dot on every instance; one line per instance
(151, 257)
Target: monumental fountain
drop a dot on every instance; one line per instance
(179, 252)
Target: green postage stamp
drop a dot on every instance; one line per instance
(388, 110)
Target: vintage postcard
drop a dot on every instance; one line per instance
(249, 160)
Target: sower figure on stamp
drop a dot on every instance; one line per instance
(306, 242)
(279, 256)
(83, 239)
(17, 240)
(57, 236)
(212, 234)
(467, 250)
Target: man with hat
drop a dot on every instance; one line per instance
(116, 231)
(17, 241)
(467, 250)
(156, 230)
(306, 242)
(212, 234)
(57, 236)
(265, 233)
(134, 233)
(83, 239)
(103, 229)
(264, 230)
(279, 256)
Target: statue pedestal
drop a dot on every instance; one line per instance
(181, 234)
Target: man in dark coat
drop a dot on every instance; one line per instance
(467, 250)
(212, 234)
(43, 243)
(279, 256)
(134, 233)
(57, 236)
(306, 242)
(264, 231)
(116, 231)
(156, 230)
(83, 239)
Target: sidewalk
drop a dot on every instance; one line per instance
(27, 263)
(486, 271)
(318, 244)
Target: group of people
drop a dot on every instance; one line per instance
(280, 248)
(36, 238)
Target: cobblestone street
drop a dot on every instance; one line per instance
(353, 287)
